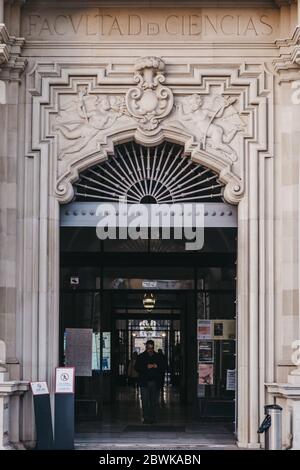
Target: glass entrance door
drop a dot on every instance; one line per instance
(102, 291)
(216, 334)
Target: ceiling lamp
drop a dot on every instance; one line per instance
(149, 301)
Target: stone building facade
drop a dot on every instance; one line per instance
(144, 68)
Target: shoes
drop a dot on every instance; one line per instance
(148, 421)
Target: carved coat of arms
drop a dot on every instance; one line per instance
(149, 102)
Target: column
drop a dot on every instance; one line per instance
(8, 218)
(1, 11)
(11, 155)
(294, 375)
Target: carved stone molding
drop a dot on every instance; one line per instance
(4, 40)
(11, 61)
(295, 56)
(283, 3)
(76, 119)
(289, 53)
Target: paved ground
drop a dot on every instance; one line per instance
(113, 432)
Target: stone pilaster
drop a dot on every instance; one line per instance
(11, 67)
(286, 390)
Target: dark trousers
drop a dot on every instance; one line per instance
(149, 396)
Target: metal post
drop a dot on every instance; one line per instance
(272, 427)
(273, 435)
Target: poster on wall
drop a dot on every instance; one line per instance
(205, 351)
(106, 350)
(223, 329)
(218, 329)
(78, 350)
(205, 374)
(230, 379)
(96, 364)
(204, 329)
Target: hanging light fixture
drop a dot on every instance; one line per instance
(149, 301)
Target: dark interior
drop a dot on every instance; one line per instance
(102, 289)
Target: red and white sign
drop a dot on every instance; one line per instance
(64, 379)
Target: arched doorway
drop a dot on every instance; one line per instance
(50, 174)
(103, 283)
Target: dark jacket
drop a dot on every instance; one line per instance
(146, 375)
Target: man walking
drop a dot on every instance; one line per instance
(149, 367)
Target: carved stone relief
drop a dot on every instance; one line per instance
(149, 102)
(80, 114)
(84, 120)
(212, 120)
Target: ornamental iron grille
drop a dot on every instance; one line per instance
(149, 175)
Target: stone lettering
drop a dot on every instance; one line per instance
(76, 25)
(171, 24)
(102, 23)
(194, 25)
(209, 25)
(46, 27)
(60, 24)
(226, 25)
(176, 25)
(89, 26)
(250, 27)
(238, 25)
(269, 27)
(152, 29)
(33, 21)
(134, 25)
(115, 27)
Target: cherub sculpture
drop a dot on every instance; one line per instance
(203, 125)
(93, 115)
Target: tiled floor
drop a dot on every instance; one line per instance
(113, 431)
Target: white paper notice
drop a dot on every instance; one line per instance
(39, 388)
(230, 379)
(78, 351)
